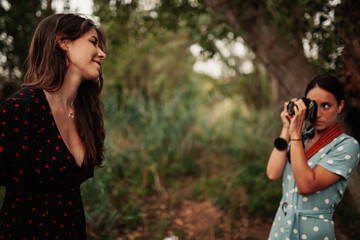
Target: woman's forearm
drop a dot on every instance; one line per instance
(303, 174)
(277, 159)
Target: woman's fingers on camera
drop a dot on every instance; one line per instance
(284, 114)
(300, 108)
(300, 103)
(285, 107)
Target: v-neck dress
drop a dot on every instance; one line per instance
(301, 217)
(41, 177)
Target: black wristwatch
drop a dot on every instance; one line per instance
(280, 144)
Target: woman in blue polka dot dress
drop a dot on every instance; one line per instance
(315, 165)
(51, 132)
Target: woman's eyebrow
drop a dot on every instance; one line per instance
(325, 102)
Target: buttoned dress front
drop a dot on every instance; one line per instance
(310, 216)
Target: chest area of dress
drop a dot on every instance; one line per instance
(51, 161)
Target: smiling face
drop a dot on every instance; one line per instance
(84, 56)
(328, 108)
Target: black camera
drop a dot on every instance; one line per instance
(311, 109)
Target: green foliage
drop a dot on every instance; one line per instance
(326, 25)
(238, 182)
(153, 145)
(165, 123)
(148, 145)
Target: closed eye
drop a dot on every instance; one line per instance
(94, 43)
(94, 40)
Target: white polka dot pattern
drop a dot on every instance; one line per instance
(340, 156)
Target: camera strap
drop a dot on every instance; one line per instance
(324, 140)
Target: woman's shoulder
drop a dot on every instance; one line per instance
(344, 137)
(346, 141)
(26, 94)
(28, 98)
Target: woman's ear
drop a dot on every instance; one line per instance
(341, 106)
(62, 42)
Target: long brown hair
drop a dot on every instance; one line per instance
(46, 68)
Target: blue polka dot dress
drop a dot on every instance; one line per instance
(41, 176)
(301, 217)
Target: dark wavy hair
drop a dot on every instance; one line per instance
(328, 83)
(46, 68)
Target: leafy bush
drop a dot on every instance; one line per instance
(148, 146)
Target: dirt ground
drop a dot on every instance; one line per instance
(203, 220)
(198, 220)
(185, 218)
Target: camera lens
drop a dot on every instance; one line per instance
(290, 108)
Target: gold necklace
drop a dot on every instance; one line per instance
(69, 109)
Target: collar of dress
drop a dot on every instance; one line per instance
(332, 133)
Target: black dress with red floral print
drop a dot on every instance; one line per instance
(41, 177)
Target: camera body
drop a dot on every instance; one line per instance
(311, 109)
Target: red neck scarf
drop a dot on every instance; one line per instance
(325, 139)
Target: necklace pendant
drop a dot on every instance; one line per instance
(71, 114)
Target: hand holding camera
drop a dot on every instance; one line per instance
(311, 109)
(293, 115)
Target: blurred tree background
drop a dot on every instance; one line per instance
(187, 151)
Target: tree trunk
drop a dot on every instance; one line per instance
(351, 58)
(284, 61)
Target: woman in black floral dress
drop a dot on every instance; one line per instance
(52, 133)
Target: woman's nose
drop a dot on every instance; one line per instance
(318, 114)
(101, 54)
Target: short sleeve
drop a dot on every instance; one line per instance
(15, 131)
(343, 157)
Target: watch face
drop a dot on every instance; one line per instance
(280, 144)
